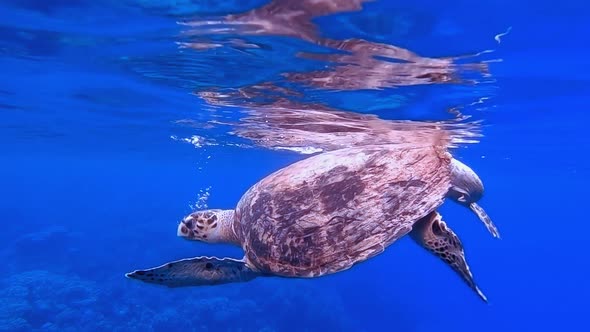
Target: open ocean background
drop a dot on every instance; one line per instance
(106, 141)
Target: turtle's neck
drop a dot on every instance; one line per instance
(225, 232)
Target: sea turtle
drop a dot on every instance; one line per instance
(327, 212)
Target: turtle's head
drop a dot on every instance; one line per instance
(212, 226)
(466, 189)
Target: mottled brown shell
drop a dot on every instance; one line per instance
(325, 213)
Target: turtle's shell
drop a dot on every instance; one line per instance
(327, 212)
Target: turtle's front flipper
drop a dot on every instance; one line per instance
(198, 271)
(433, 234)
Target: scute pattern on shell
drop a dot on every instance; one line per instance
(325, 213)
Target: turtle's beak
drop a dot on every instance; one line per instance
(184, 229)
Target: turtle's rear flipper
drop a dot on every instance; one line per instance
(198, 271)
(467, 189)
(483, 216)
(433, 234)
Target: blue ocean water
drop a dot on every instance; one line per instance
(121, 117)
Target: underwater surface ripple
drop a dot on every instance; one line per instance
(120, 117)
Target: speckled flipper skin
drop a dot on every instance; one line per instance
(198, 271)
(432, 233)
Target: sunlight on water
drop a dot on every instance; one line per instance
(194, 140)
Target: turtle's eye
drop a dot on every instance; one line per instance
(188, 223)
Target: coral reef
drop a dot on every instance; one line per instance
(39, 300)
